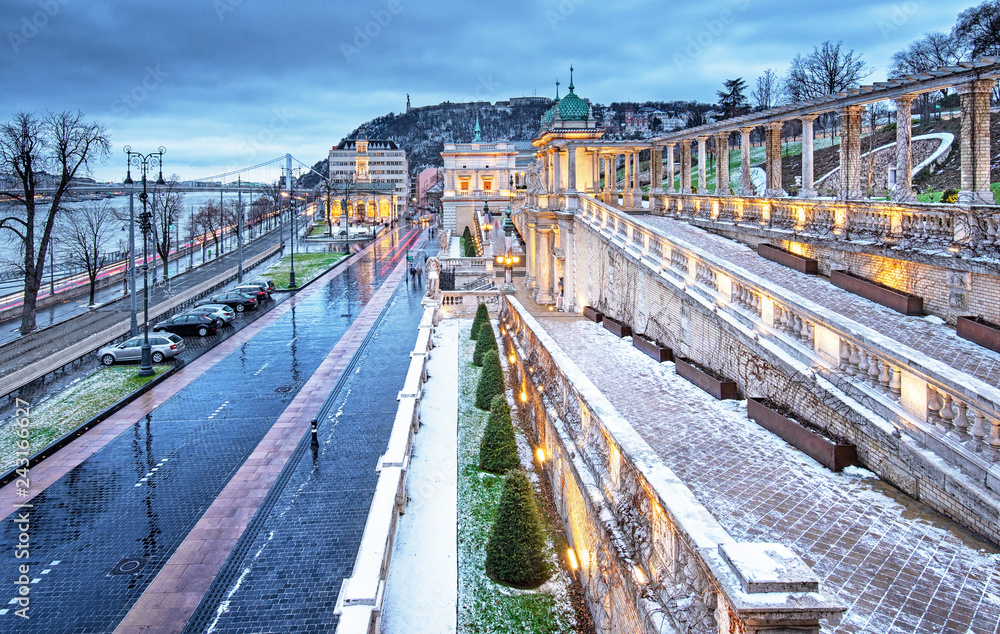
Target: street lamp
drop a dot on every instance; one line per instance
(508, 259)
(144, 162)
(291, 237)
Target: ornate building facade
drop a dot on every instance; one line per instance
(370, 177)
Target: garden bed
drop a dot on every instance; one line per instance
(800, 263)
(978, 330)
(652, 348)
(834, 454)
(616, 327)
(708, 380)
(899, 301)
(593, 314)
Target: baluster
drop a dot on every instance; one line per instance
(933, 404)
(810, 332)
(785, 316)
(994, 440)
(885, 376)
(862, 364)
(873, 373)
(947, 414)
(804, 330)
(795, 325)
(755, 303)
(896, 383)
(961, 420)
(845, 356)
(855, 360)
(978, 431)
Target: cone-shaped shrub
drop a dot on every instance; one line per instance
(490, 381)
(486, 339)
(482, 314)
(467, 235)
(514, 553)
(470, 248)
(498, 450)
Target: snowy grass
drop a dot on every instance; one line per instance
(308, 266)
(59, 414)
(485, 606)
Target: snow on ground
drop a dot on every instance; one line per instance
(422, 584)
(896, 563)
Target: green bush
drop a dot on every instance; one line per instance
(949, 195)
(467, 235)
(486, 339)
(470, 248)
(498, 449)
(514, 553)
(482, 314)
(490, 381)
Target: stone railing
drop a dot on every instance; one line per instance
(955, 415)
(649, 556)
(461, 303)
(940, 225)
(469, 265)
(359, 603)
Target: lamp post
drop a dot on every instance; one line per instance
(291, 236)
(144, 162)
(508, 259)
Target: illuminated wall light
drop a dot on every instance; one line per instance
(541, 454)
(573, 563)
(524, 397)
(513, 357)
(640, 576)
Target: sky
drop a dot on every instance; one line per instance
(225, 84)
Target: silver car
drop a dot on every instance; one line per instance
(221, 313)
(163, 345)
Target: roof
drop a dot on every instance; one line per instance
(377, 144)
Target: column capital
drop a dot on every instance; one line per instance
(905, 100)
(975, 86)
(808, 118)
(746, 130)
(774, 125)
(702, 138)
(850, 110)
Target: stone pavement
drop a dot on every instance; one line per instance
(900, 566)
(934, 340)
(134, 501)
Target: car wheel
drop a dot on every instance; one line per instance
(108, 359)
(157, 357)
(219, 323)
(240, 308)
(202, 331)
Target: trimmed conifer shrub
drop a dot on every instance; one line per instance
(514, 552)
(482, 314)
(467, 235)
(498, 449)
(486, 339)
(470, 248)
(490, 381)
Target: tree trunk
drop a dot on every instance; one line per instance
(32, 282)
(93, 285)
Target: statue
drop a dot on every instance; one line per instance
(443, 240)
(535, 178)
(433, 269)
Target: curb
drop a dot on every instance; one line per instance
(93, 421)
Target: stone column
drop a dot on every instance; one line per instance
(543, 255)
(670, 168)
(902, 191)
(773, 134)
(557, 157)
(613, 177)
(569, 268)
(746, 187)
(627, 193)
(686, 166)
(722, 163)
(808, 171)
(975, 99)
(850, 153)
(655, 179)
(595, 172)
(571, 169)
(531, 266)
(702, 177)
(636, 188)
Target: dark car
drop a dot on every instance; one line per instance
(238, 301)
(185, 324)
(253, 290)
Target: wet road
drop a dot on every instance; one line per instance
(140, 495)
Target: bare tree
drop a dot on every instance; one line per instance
(90, 227)
(209, 219)
(168, 203)
(769, 92)
(930, 51)
(977, 29)
(825, 71)
(63, 143)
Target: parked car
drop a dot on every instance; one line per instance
(253, 290)
(184, 324)
(221, 313)
(266, 285)
(238, 301)
(162, 346)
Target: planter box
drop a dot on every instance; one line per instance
(593, 314)
(802, 264)
(980, 331)
(653, 349)
(617, 327)
(899, 301)
(722, 389)
(831, 454)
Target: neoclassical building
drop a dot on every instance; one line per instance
(372, 175)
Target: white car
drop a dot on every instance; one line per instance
(221, 313)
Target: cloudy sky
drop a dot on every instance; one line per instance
(227, 83)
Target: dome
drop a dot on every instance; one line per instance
(572, 108)
(550, 114)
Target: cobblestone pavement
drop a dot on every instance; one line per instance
(897, 564)
(141, 491)
(936, 341)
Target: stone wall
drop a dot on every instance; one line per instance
(651, 557)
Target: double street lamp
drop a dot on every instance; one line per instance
(508, 259)
(144, 162)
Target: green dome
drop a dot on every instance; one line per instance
(550, 114)
(572, 108)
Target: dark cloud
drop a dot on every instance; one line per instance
(224, 83)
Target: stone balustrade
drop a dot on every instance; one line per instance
(650, 557)
(955, 415)
(464, 303)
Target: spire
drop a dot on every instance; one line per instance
(571, 78)
(557, 90)
(477, 138)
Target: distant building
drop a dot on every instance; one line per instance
(374, 175)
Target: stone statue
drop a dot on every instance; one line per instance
(535, 177)
(443, 240)
(433, 269)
